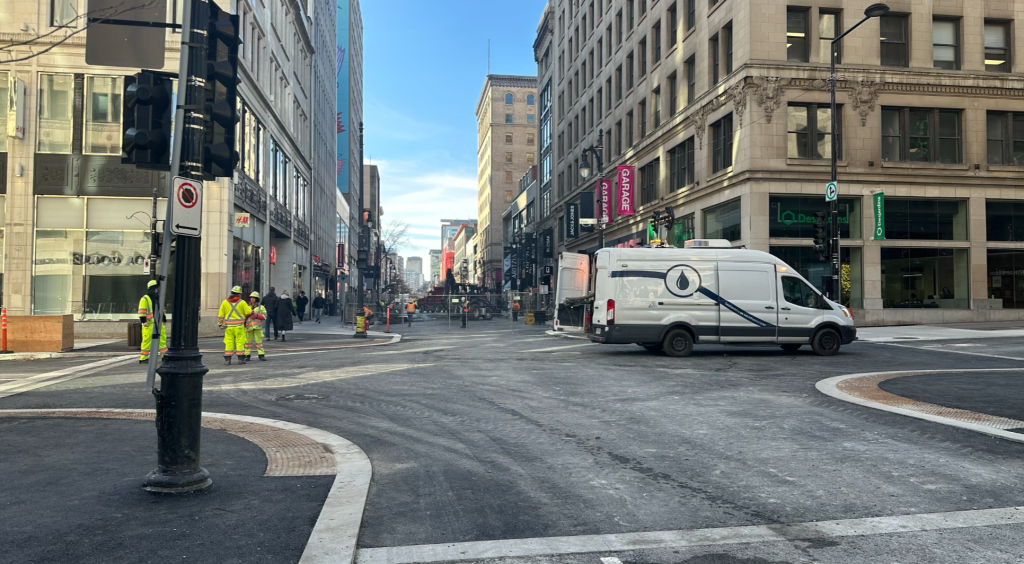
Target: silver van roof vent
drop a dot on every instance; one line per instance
(707, 244)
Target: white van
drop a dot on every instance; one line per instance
(572, 281)
(668, 299)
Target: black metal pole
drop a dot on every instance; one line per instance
(364, 231)
(179, 401)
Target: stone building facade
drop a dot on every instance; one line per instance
(506, 116)
(723, 108)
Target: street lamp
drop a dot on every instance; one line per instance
(585, 170)
(872, 11)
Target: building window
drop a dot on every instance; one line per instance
(508, 178)
(894, 41)
(508, 138)
(810, 127)
(629, 71)
(508, 157)
(508, 99)
(1005, 138)
(828, 23)
(713, 50)
(642, 49)
(618, 29)
(1004, 220)
(924, 278)
(656, 106)
(796, 35)
(56, 92)
(723, 221)
(530, 136)
(63, 13)
(1005, 279)
(642, 111)
(629, 129)
(618, 138)
(630, 14)
(926, 219)
(721, 139)
(103, 115)
(656, 42)
(680, 163)
(921, 135)
(691, 79)
(649, 182)
(643, 7)
(691, 14)
(618, 85)
(793, 216)
(529, 100)
(529, 158)
(945, 44)
(508, 118)
(4, 92)
(997, 46)
(673, 95)
(727, 45)
(531, 119)
(508, 193)
(803, 260)
(673, 25)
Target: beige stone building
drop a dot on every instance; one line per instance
(506, 117)
(723, 108)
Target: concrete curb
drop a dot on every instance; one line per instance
(336, 531)
(842, 388)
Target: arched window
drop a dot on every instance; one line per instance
(508, 99)
(529, 99)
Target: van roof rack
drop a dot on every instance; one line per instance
(708, 244)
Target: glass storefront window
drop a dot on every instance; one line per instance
(4, 93)
(57, 272)
(56, 94)
(114, 279)
(818, 273)
(1004, 220)
(1005, 278)
(65, 213)
(723, 221)
(925, 278)
(682, 231)
(246, 267)
(102, 115)
(793, 216)
(298, 275)
(931, 219)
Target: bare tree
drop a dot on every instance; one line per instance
(395, 236)
(60, 35)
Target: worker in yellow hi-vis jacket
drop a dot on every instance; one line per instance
(231, 317)
(147, 315)
(254, 327)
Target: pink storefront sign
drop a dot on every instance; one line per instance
(626, 190)
(605, 196)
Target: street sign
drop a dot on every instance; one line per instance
(118, 45)
(187, 207)
(146, 266)
(588, 221)
(831, 191)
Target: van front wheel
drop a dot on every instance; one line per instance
(826, 342)
(678, 342)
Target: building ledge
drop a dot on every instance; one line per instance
(931, 166)
(814, 162)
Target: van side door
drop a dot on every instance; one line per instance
(799, 311)
(747, 302)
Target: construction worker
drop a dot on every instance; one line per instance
(515, 310)
(147, 311)
(254, 327)
(465, 311)
(410, 308)
(231, 317)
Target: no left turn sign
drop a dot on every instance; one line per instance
(187, 207)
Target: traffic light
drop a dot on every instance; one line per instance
(821, 239)
(220, 154)
(146, 121)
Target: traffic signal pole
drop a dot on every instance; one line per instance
(179, 398)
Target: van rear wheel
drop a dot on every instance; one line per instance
(826, 342)
(677, 342)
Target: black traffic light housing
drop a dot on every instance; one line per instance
(821, 238)
(146, 121)
(220, 149)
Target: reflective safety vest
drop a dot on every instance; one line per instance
(233, 313)
(410, 307)
(146, 308)
(257, 317)
(515, 306)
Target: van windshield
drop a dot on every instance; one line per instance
(799, 293)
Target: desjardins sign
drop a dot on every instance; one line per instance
(789, 217)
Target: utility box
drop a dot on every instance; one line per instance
(135, 335)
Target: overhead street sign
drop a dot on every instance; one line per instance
(187, 207)
(831, 191)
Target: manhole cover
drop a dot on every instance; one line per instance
(301, 397)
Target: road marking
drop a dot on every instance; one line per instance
(251, 380)
(56, 377)
(561, 347)
(621, 542)
(862, 389)
(413, 350)
(611, 560)
(957, 352)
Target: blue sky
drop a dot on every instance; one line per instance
(424, 63)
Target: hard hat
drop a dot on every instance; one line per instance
(151, 284)
(255, 295)
(236, 290)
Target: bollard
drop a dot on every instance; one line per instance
(3, 332)
(387, 327)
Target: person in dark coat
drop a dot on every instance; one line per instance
(318, 308)
(300, 305)
(285, 310)
(270, 302)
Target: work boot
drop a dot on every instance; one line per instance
(227, 360)
(263, 357)
(247, 358)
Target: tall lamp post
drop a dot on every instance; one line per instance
(596, 151)
(872, 11)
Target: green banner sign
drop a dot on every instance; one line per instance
(879, 205)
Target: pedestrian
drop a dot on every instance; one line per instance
(515, 311)
(318, 307)
(231, 317)
(300, 304)
(270, 302)
(285, 311)
(465, 311)
(254, 327)
(410, 308)
(147, 313)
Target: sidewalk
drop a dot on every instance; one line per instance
(941, 332)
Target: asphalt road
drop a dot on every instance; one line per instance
(492, 433)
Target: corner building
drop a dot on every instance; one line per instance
(723, 108)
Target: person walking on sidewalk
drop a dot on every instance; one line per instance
(254, 327)
(270, 302)
(147, 315)
(300, 305)
(318, 307)
(515, 311)
(285, 311)
(231, 317)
